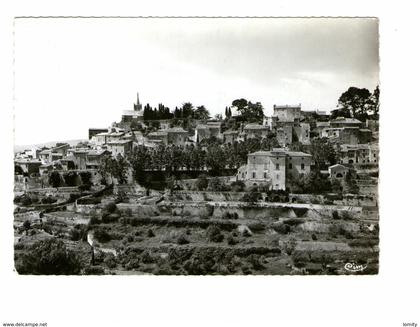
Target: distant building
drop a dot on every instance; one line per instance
(256, 130)
(211, 129)
(287, 113)
(337, 171)
(230, 136)
(29, 166)
(120, 147)
(273, 167)
(95, 131)
(359, 154)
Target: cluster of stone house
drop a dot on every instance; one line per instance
(354, 141)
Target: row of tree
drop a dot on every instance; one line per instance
(186, 111)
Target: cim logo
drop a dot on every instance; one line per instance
(352, 267)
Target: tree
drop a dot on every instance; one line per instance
(356, 100)
(351, 183)
(48, 257)
(250, 112)
(86, 176)
(201, 182)
(115, 167)
(323, 153)
(54, 178)
(374, 105)
(201, 113)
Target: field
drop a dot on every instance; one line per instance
(172, 235)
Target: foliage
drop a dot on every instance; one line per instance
(70, 178)
(86, 176)
(48, 257)
(115, 167)
(102, 235)
(54, 178)
(323, 153)
(238, 186)
(250, 112)
(202, 182)
(214, 234)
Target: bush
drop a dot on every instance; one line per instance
(102, 235)
(255, 261)
(214, 234)
(150, 233)
(201, 183)
(94, 270)
(110, 207)
(346, 215)
(238, 186)
(48, 257)
(282, 228)
(335, 215)
(256, 226)
(48, 200)
(231, 240)
(110, 261)
(182, 239)
(294, 221)
(229, 215)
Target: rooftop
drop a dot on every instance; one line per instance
(255, 126)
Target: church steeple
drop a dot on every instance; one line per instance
(138, 106)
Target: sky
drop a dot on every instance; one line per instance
(72, 74)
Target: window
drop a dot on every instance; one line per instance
(302, 166)
(290, 166)
(265, 175)
(277, 166)
(253, 174)
(278, 176)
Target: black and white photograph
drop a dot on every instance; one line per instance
(194, 146)
(180, 163)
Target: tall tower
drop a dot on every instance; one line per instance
(138, 106)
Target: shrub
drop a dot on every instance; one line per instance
(214, 234)
(110, 261)
(335, 215)
(110, 218)
(346, 215)
(202, 182)
(102, 235)
(182, 239)
(231, 240)
(110, 207)
(282, 228)
(290, 246)
(314, 237)
(48, 257)
(293, 221)
(150, 233)
(238, 186)
(256, 226)
(48, 200)
(229, 215)
(94, 270)
(255, 261)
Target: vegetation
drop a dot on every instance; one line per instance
(48, 257)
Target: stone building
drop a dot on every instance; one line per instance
(287, 113)
(206, 131)
(256, 130)
(359, 154)
(337, 171)
(230, 136)
(272, 167)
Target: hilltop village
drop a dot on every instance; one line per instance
(179, 192)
